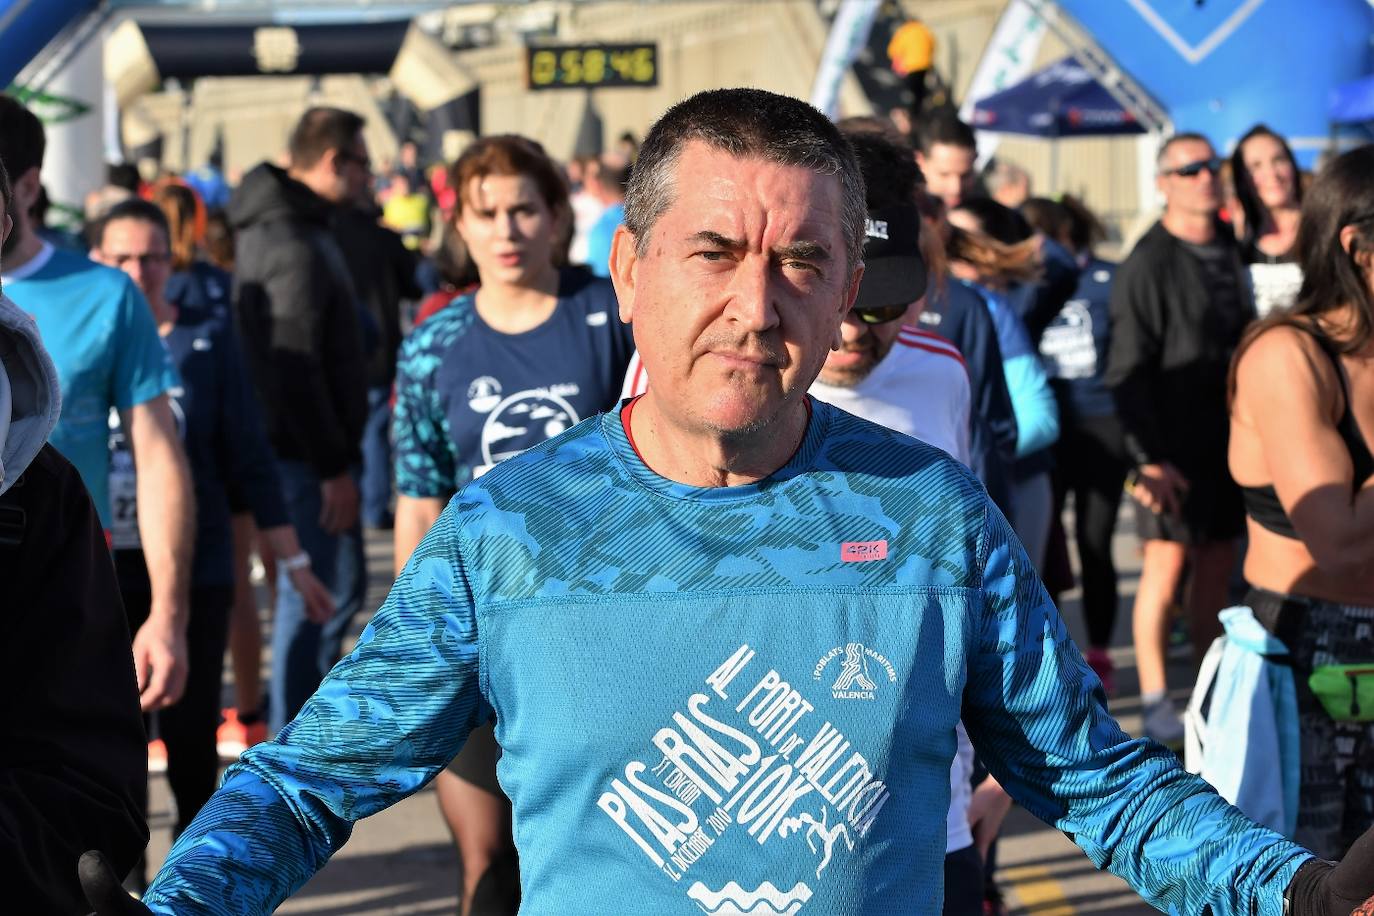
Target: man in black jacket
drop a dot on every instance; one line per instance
(383, 271)
(73, 754)
(300, 323)
(1178, 306)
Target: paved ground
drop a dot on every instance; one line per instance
(401, 861)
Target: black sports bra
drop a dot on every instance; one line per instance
(1262, 503)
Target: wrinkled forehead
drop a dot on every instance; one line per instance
(1186, 151)
(749, 195)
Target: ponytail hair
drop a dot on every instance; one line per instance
(185, 221)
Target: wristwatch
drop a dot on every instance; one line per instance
(299, 561)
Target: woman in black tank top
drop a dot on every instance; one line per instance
(1302, 387)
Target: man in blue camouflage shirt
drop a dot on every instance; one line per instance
(727, 631)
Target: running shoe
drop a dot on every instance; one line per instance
(157, 756)
(234, 737)
(1101, 662)
(1163, 724)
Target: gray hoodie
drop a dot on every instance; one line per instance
(30, 398)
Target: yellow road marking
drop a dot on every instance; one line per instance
(1038, 890)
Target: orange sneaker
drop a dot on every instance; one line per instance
(157, 756)
(233, 737)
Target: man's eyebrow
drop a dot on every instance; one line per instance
(707, 237)
(798, 251)
(802, 251)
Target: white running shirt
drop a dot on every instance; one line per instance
(920, 388)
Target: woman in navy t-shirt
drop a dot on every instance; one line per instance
(532, 352)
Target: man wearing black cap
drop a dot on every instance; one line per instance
(883, 360)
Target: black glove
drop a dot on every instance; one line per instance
(103, 890)
(1344, 888)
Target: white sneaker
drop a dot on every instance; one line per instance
(1162, 722)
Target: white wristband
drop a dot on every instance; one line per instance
(299, 561)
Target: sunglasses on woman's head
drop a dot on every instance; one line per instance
(878, 314)
(1194, 169)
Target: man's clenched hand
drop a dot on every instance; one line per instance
(1345, 888)
(103, 890)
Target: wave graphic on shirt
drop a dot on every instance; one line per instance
(733, 900)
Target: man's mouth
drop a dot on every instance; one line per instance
(742, 360)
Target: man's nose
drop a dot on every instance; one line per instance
(752, 294)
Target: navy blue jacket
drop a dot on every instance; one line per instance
(219, 420)
(1074, 346)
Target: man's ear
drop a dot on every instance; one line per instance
(26, 189)
(330, 163)
(624, 269)
(851, 292)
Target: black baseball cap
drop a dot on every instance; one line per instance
(894, 271)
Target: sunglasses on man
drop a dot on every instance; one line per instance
(1193, 169)
(879, 314)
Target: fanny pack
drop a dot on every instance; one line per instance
(1346, 692)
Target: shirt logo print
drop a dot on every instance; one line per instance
(861, 671)
(863, 551)
(854, 669)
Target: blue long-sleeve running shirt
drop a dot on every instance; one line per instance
(709, 698)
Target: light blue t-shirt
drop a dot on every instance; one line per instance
(100, 332)
(600, 237)
(739, 699)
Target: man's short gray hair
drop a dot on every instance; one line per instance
(1005, 174)
(1169, 143)
(746, 123)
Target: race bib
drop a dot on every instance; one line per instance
(123, 503)
(123, 492)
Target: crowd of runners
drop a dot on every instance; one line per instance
(763, 438)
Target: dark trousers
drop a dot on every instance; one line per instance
(188, 726)
(1090, 462)
(964, 882)
(1336, 785)
(375, 485)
